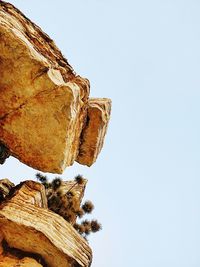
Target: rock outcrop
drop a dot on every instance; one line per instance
(92, 137)
(27, 226)
(9, 260)
(47, 120)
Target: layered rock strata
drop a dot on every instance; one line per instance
(98, 114)
(28, 226)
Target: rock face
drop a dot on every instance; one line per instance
(5, 187)
(92, 137)
(11, 261)
(28, 226)
(46, 116)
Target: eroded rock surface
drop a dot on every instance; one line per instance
(44, 104)
(11, 261)
(92, 137)
(27, 225)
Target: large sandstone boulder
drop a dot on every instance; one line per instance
(46, 118)
(30, 228)
(92, 137)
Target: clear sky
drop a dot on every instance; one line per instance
(145, 56)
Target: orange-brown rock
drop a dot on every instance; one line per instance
(29, 227)
(92, 137)
(11, 261)
(44, 104)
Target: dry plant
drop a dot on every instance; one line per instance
(66, 203)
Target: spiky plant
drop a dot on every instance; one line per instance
(56, 183)
(79, 213)
(85, 223)
(79, 179)
(65, 203)
(88, 207)
(95, 226)
(42, 178)
(87, 230)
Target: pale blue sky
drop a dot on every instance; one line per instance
(145, 56)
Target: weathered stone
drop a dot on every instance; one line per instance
(5, 187)
(29, 227)
(92, 137)
(30, 192)
(12, 261)
(9, 259)
(44, 104)
(44, 132)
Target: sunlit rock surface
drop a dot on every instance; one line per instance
(92, 137)
(45, 106)
(28, 226)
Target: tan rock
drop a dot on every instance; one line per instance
(92, 137)
(30, 192)
(44, 132)
(34, 229)
(43, 102)
(11, 261)
(5, 187)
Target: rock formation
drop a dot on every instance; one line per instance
(47, 120)
(32, 232)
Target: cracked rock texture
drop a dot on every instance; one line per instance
(98, 114)
(28, 227)
(12, 261)
(47, 120)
